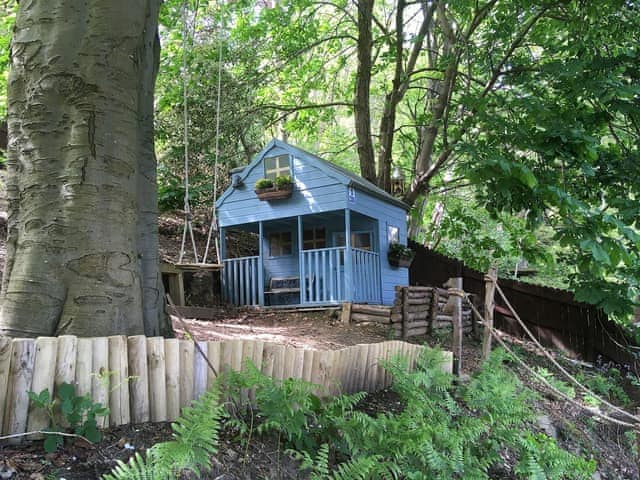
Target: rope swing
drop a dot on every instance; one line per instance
(188, 218)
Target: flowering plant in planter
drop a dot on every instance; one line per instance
(267, 189)
(400, 255)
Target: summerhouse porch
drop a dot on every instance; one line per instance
(318, 259)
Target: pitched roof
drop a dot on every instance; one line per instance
(345, 176)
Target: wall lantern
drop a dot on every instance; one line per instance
(397, 181)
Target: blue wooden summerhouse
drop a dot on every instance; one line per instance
(323, 244)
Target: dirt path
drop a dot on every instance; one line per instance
(320, 330)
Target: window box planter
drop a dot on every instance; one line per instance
(274, 193)
(400, 255)
(278, 189)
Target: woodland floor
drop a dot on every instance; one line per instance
(263, 456)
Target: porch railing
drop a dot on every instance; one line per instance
(324, 271)
(240, 281)
(365, 276)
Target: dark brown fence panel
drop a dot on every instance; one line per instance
(551, 314)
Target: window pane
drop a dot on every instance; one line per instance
(314, 238)
(277, 166)
(393, 234)
(280, 244)
(361, 240)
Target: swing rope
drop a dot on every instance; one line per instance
(214, 220)
(188, 224)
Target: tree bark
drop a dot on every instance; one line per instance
(82, 254)
(362, 112)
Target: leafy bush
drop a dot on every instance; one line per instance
(283, 181)
(79, 412)
(263, 183)
(401, 251)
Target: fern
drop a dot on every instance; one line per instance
(195, 441)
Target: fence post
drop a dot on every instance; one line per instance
(346, 313)
(405, 313)
(489, 303)
(456, 319)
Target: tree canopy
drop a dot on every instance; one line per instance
(518, 121)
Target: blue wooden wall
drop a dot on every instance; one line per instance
(314, 192)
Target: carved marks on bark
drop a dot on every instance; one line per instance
(106, 267)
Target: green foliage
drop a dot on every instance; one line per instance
(607, 385)
(283, 181)
(399, 250)
(445, 431)
(7, 19)
(195, 441)
(564, 387)
(263, 183)
(78, 412)
(361, 468)
(291, 407)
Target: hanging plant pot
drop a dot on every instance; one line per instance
(274, 193)
(400, 255)
(396, 261)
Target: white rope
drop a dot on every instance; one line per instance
(543, 380)
(188, 226)
(557, 365)
(214, 220)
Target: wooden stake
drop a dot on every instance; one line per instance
(489, 305)
(5, 362)
(346, 313)
(83, 367)
(43, 375)
(405, 313)
(187, 352)
(119, 372)
(172, 371)
(139, 382)
(456, 300)
(66, 365)
(157, 379)
(100, 379)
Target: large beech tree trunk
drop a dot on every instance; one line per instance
(82, 254)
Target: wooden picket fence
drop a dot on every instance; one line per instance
(145, 379)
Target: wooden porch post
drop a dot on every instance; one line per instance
(489, 304)
(223, 244)
(348, 287)
(301, 266)
(223, 255)
(260, 265)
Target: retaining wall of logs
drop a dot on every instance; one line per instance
(415, 311)
(150, 379)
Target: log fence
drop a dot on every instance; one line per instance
(416, 311)
(145, 379)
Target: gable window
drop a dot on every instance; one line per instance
(277, 166)
(280, 244)
(314, 238)
(361, 240)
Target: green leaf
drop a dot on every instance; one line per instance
(52, 442)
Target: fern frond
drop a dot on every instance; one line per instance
(363, 468)
(137, 468)
(195, 441)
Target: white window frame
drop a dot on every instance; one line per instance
(280, 168)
